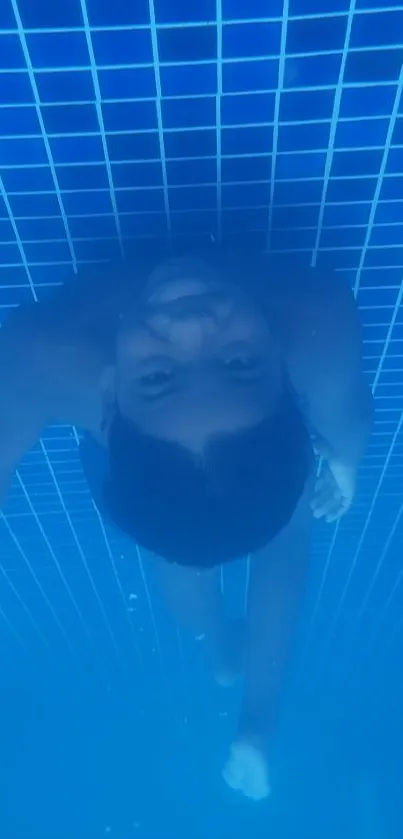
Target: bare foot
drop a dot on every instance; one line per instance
(247, 771)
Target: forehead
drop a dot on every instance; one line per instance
(232, 270)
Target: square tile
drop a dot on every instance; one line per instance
(16, 88)
(199, 80)
(192, 197)
(37, 229)
(47, 252)
(234, 169)
(256, 140)
(302, 106)
(186, 172)
(312, 71)
(317, 7)
(118, 13)
(250, 40)
(58, 49)
(394, 163)
(179, 45)
(7, 18)
(127, 84)
(376, 30)
(6, 231)
(259, 9)
(74, 86)
(87, 202)
(19, 121)
(318, 34)
(132, 147)
(186, 223)
(117, 48)
(190, 144)
(363, 162)
(374, 66)
(376, 100)
(180, 11)
(130, 116)
(24, 151)
(352, 189)
(250, 76)
(40, 14)
(92, 227)
(189, 113)
(83, 177)
(392, 189)
(70, 119)
(140, 200)
(303, 137)
(11, 54)
(397, 136)
(144, 174)
(245, 195)
(243, 110)
(34, 179)
(298, 166)
(361, 133)
(77, 149)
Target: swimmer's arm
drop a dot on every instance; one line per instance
(23, 412)
(328, 374)
(341, 412)
(20, 427)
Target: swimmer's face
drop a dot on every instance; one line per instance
(196, 361)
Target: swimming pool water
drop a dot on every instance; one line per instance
(125, 122)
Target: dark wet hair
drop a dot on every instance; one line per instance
(233, 503)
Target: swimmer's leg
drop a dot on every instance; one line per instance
(195, 600)
(277, 582)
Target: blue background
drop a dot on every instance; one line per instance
(132, 120)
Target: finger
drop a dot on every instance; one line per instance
(339, 513)
(332, 518)
(323, 499)
(327, 509)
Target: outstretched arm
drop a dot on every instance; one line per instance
(326, 370)
(23, 412)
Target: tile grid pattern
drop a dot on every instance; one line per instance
(121, 122)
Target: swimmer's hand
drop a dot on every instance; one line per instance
(246, 771)
(335, 486)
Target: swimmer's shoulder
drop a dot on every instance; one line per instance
(295, 284)
(25, 388)
(22, 332)
(311, 307)
(89, 305)
(86, 306)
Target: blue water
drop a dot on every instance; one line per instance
(280, 123)
(141, 757)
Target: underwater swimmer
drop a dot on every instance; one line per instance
(188, 375)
